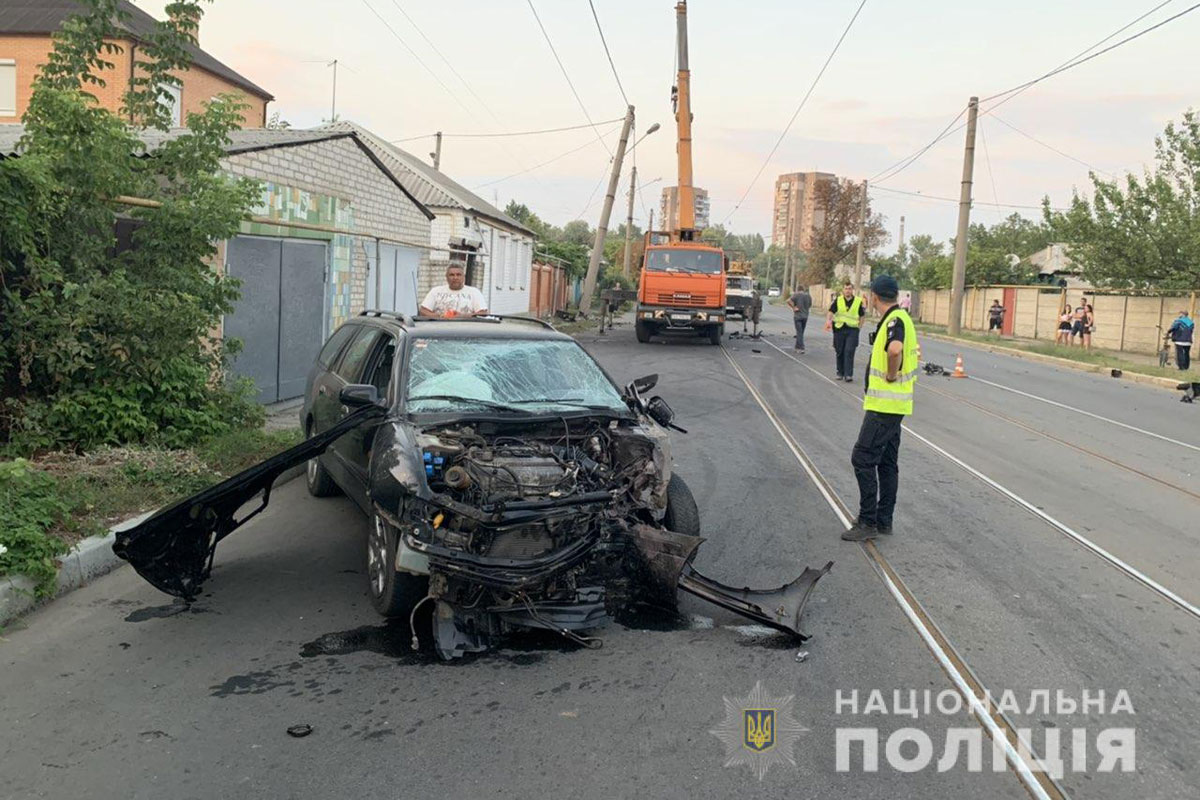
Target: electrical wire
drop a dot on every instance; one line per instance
(1079, 58)
(796, 113)
(507, 134)
(588, 143)
(603, 41)
(578, 100)
(924, 196)
(419, 60)
(1051, 147)
(1097, 54)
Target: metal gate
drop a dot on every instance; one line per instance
(280, 317)
(392, 284)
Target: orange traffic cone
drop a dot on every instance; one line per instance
(959, 372)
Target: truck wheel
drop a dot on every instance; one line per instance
(682, 515)
(714, 334)
(318, 480)
(393, 593)
(644, 331)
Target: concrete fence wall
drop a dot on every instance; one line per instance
(1123, 321)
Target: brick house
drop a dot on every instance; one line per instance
(495, 249)
(26, 27)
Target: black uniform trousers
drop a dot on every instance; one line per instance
(875, 459)
(845, 342)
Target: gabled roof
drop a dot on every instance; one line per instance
(47, 16)
(428, 185)
(246, 140)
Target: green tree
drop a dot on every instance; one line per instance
(578, 232)
(928, 266)
(840, 205)
(1141, 232)
(98, 343)
(996, 254)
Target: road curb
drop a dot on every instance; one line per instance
(1136, 377)
(88, 560)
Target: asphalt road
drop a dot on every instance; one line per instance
(111, 692)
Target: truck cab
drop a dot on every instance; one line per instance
(682, 289)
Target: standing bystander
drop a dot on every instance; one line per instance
(800, 303)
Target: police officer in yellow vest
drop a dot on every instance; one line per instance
(889, 398)
(844, 317)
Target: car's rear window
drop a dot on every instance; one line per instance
(530, 374)
(334, 345)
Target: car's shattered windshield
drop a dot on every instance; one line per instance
(505, 374)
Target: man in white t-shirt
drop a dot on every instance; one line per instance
(454, 298)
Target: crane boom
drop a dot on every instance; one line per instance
(683, 120)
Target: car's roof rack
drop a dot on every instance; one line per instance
(493, 318)
(403, 318)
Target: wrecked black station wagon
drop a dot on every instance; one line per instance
(509, 484)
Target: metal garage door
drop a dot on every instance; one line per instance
(280, 315)
(393, 286)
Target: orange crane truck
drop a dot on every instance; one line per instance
(682, 285)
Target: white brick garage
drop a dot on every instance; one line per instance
(332, 208)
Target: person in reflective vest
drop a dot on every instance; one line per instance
(844, 317)
(888, 399)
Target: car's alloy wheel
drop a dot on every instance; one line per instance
(377, 556)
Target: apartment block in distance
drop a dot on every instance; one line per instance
(26, 27)
(669, 208)
(796, 218)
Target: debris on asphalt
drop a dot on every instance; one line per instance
(802, 656)
(1116, 373)
(299, 731)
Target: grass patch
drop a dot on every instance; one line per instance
(48, 504)
(1101, 358)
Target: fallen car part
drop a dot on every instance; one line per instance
(776, 608)
(173, 549)
(300, 731)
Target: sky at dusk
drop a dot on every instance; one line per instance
(904, 71)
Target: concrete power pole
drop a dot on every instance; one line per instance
(964, 222)
(589, 282)
(862, 230)
(900, 249)
(437, 151)
(629, 218)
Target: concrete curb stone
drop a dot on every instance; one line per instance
(1136, 377)
(87, 561)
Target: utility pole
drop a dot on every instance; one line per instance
(964, 222)
(333, 102)
(862, 230)
(787, 259)
(589, 282)
(651, 226)
(900, 249)
(437, 151)
(629, 218)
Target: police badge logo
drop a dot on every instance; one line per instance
(759, 730)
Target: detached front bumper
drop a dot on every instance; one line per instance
(682, 317)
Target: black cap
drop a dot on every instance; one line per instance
(886, 287)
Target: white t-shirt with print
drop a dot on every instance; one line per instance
(467, 300)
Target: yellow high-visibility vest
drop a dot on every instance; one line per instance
(895, 397)
(846, 316)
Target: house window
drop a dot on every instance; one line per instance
(173, 103)
(8, 87)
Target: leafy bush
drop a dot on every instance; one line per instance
(100, 344)
(30, 505)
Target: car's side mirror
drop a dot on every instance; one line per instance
(359, 394)
(658, 410)
(642, 385)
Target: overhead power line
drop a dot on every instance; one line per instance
(604, 42)
(508, 133)
(563, 69)
(1052, 148)
(956, 200)
(588, 143)
(1097, 54)
(418, 58)
(796, 113)
(1079, 58)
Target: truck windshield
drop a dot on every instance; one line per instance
(525, 375)
(735, 282)
(707, 262)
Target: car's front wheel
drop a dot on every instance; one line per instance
(683, 515)
(393, 592)
(320, 483)
(643, 330)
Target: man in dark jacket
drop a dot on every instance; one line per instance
(1181, 335)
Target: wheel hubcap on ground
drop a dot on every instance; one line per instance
(377, 556)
